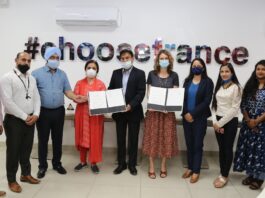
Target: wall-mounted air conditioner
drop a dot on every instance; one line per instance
(87, 16)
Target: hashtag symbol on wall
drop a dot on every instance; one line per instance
(32, 46)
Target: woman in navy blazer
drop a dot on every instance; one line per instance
(196, 109)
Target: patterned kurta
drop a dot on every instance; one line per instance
(250, 153)
(89, 129)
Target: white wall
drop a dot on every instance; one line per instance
(206, 22)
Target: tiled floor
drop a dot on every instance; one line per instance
(84, 184)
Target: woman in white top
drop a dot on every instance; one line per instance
(225, 106)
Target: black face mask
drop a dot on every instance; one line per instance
(23, 68)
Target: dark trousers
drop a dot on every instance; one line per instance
(194, 134)
(133, 133)
(50, 120)
(225, 143)
(19, 140)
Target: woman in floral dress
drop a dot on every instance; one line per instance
(250, 153)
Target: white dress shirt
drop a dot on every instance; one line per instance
(228, 104)
(125, 78)
(13, 94)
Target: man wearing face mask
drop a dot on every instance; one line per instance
(21, 102)
(52, 84)
(132, 81)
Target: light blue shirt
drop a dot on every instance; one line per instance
(51, 86)
(125, 78)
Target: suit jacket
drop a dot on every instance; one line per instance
(134, 95)
(203, 98)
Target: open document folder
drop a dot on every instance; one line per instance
(109, 101)
(165, 99)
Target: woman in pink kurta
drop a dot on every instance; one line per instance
(88, 129)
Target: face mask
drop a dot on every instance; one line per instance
(164, 63)
(197, 70)
(91, 73)
(227, 81)
(126, 65)
(23, 68)
(53, 64)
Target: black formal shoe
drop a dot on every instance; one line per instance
(60, 170)
(119, 169)
(133, 170)
(80, 166)
(95, 168)
(41, 173)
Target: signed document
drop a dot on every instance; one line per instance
(109, 101)
(116, 101)
(165, 99)
(157, 98)
(175, 98)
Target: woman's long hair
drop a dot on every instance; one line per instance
(252, 84)
(234, 79)
(191, 75)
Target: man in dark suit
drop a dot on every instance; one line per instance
(132, 81)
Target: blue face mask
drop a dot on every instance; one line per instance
(197, 70)
(164, 63)
(227, 80)
(53, 64)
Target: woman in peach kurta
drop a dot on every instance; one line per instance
(88, 129)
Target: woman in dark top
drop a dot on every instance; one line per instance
(250, 152)
(160, 133)
(198, 95)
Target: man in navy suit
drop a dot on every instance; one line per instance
(133, 83)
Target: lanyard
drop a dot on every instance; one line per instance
(26, 89)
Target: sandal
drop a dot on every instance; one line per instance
(220, 182)
(247, 181)
(163, 174)
(152, 175)
(256, 184)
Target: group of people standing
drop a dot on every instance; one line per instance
(39, 98)
(29, 100)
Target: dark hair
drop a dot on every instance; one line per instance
(92, 61)
(219, 82)
(125, 51)
(170, 58)
(204, 72)
(252, 84)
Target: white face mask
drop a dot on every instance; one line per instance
(91, 73)
(126, 64)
